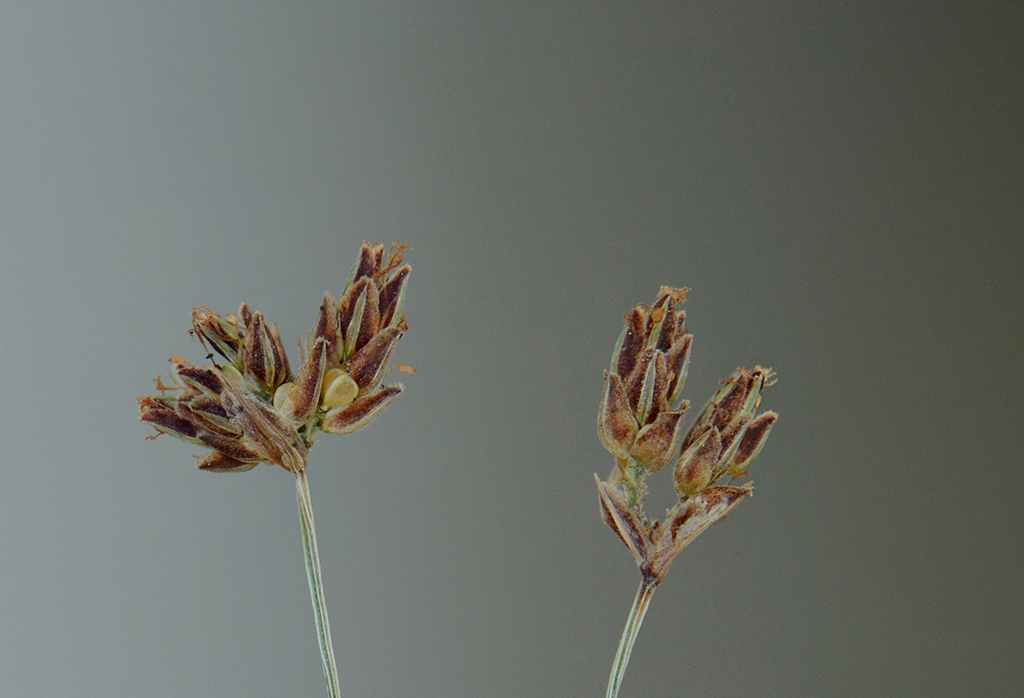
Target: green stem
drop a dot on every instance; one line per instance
(629, 633)
(316, 590)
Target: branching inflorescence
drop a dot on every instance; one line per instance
(252, 409)
(641, 423)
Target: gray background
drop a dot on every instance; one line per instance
(839, 183)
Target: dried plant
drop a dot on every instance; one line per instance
(641, 423)
(252, 409)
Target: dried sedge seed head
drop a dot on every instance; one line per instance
(253, 409)
(640, 421)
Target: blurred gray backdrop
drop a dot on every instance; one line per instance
(839, 183)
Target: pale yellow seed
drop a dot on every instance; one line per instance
(232, 374)
(339, 389)
(281, 394)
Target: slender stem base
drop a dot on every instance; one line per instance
(316, 590)
(629, 633)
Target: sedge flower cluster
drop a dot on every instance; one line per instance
(251, 408)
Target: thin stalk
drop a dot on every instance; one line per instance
(629, 633)
(316, 589)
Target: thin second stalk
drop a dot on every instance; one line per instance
(629, 633)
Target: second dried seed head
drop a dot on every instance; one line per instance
(641, 422)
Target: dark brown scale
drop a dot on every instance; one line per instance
(166, 417)
(636, 381)
(659, 399)
(725, 493)
(282, 371)
(668, 327)
(209, 417)
(307, 383)
(676, 359)
(680, 519)
(369, 260)
(229, 446)
(362, 408)
(255, 356)
(752, 437)
(618, 425)
(245, 315)
(367, 362)
(205, 403)
(218, 462)
(632, 343)
(327, 327)
(371, 318)
(390, 293)
(202, 376)
(348, 304)
(732, 401)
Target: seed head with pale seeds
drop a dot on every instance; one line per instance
(252, 409)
